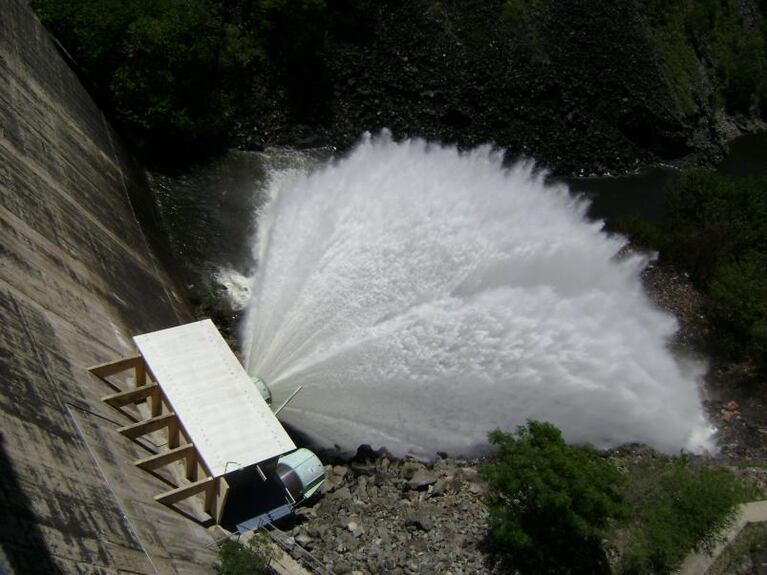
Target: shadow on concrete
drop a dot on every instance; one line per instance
(21, 539)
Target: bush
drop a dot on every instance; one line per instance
(550, 502)
(716, 32)
(167, 69)
(518, 12)
(717, 231)
(234, 558)
(675, 509)
(738, 303)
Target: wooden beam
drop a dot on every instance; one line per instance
(211, 500)
(139, 374)
(186, 491)
(173, 434)
(223, 495)
(147, 425)
(156, 401)
(131, 396)
(166, 457)
(112, 367)
(191, 465)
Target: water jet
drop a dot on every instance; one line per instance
(423, 296)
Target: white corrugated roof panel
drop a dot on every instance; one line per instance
(223, 412)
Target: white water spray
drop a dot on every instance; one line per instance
(424, 296)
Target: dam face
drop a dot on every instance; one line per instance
(77, 280)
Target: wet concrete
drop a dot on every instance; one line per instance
(77, 279)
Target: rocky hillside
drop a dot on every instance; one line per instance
(586, 87)
(393, 516)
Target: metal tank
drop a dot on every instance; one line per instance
(266, 393)
(301, 472)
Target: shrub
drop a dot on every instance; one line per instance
(717, 231)
(518, 12)
(234, 558)
(167, 69)
(550, 502)
(716, 32)
(738, 303)
(674, 509)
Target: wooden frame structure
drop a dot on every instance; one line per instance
(179, 448)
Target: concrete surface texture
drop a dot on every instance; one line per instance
(77, 280)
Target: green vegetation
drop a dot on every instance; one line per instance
(553, 505)
(522, 12)
(674, 508)
(171, 71)
(717, 231)
(716, 32)
(166, 68)
(749, 545)
(550, 502)
(234, 558)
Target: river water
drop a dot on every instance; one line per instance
(643, 194)
(209, 213)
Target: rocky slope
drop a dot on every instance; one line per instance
(389, 516)
(579, 86)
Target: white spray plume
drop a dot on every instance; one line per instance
(424, 296)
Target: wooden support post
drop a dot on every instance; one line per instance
(166, 457)
(191, 465)
(173, 434)
(223, 495)
(132, 395)
(186, 491)
(211, 499)
(156, 401)
(106, 369)
(139, 373)
(148, 425)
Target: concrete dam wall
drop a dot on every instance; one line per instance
(77, 280)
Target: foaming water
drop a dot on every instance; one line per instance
(423, 296)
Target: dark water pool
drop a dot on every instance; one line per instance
(208, 213)
(643, 194)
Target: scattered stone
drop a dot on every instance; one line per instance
(419, 520)
(393, 516)
(410, 468)
(304, 540)
(340, 470)
(421, 480)
(342, 494)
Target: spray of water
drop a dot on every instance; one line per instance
(424, 296)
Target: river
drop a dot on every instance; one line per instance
(209, 212)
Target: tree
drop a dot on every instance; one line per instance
(550, 502)
(238, 559)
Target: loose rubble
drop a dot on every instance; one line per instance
(398, 517)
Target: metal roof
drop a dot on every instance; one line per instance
(221, 410)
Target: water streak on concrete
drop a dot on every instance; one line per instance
(77, 279)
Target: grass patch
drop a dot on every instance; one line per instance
(717, 231)
(716, 32)
(234, 558)
(749, 545)
(675, 506)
